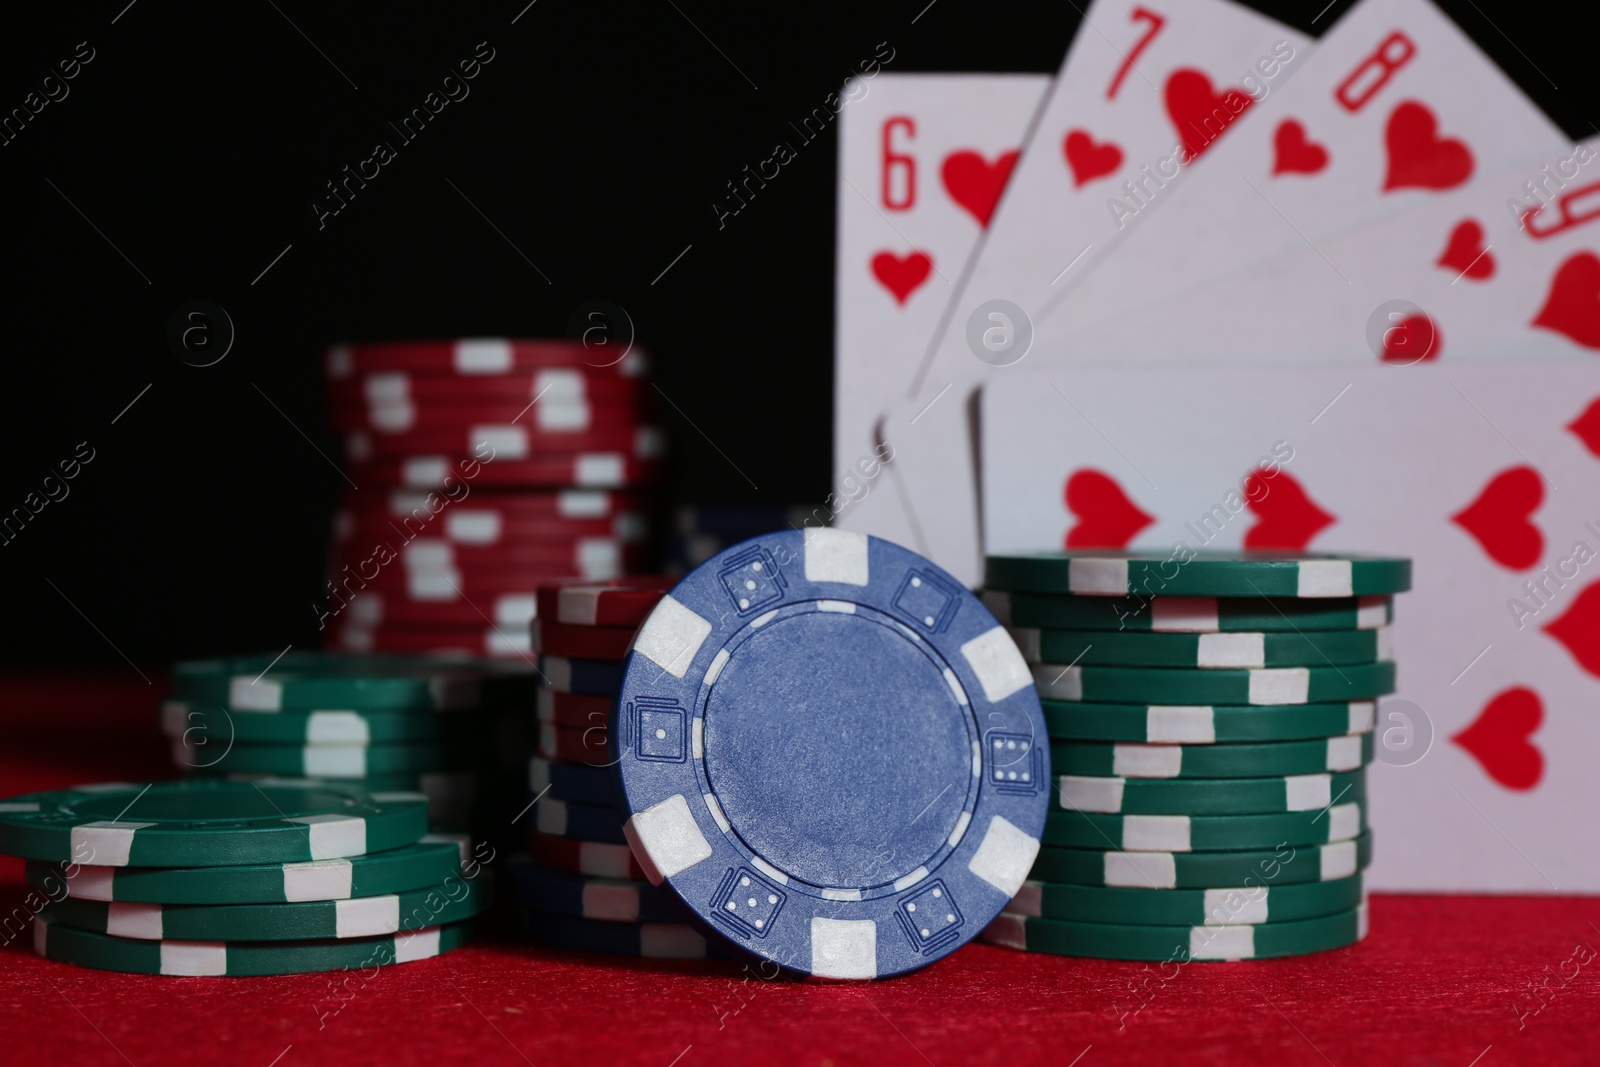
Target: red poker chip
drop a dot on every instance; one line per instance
(481, 355)
(617, 602)
(417, 506)
(503, 442)
(476, 587)
(485, 641)
(372, 608)
(489, 530)
(580, 745)
(579, 470)
(598, 859)
(557, 388)
(572, 710)
(585, 642)
(588, 555)
(545, 416)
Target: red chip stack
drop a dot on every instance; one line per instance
(485, 467)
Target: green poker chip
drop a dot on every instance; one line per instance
(430, 862)
(1206, 796)
(1184, 572)
(55, 940)
(1180, 944)
(1266, 759)
(199, 725)
(334, 761)
(1282, 865)
(1205, 724)
(1181, 614)
(201, 822)
(320, 681)
(1178, 685)
(1244, 651)
(1203, 833)
(1187, 907)
(449, 902)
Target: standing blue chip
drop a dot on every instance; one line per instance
(831, 752)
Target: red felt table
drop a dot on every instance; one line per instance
(1458, 981)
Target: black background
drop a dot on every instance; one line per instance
(595, 141)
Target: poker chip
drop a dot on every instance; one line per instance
(509, 611)
(433, 860)
(589, 470)
(1240, 650)
(490, 641)
(607, 899)
(623, 602)
(1187, 907)
(318, 681)
(390, 404)
(480, 518)
(1179, 614)
(1267, 758)
(1288, 865)
(466, 395)
(510, 441)
(335, 761)
(479, 356)
(204, 822)
(583, 745)
(1215, 796)
(1176, 685)
(595, 677)
(597, 858)
(1203, 833)
(469, 527)
(1180, 944)
(1189, 573)
(825, 688)
(571, 781)
(55, 940)
(1202, 724)
(587, 822)
(375, 916)
(574, 710)
(197, 723)
(652, 940)
(588, 642)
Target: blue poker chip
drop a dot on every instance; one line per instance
(572, 781)
(596, 677)
(586, 822)
(831, 752)
(607, 899)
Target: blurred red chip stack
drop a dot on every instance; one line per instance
(485, 467)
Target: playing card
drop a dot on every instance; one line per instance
(1397, 107)
(1487, 479)
(1504, 268)
(922, 161)
(1146, 89)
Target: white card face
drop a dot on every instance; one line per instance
(1397, 107)
(1469, 275)
(922, 161)
(1487, 477)
(1144, 88)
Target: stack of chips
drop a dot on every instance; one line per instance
(213, 877)
(447, 728)
(485, 467)
(580, 884)
(1210, 719)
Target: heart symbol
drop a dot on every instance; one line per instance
(1286, 516)
(1587, 427)
(901, 275)
(1579, 629)
(1198, 112)
(1499, 519)
(1089, 160)
(1465, 253)
(1106, 517)
(975, 183)
(1498, 739)
(1573, 306)
(1293, 153)
(1411, 340)
(1418, 156)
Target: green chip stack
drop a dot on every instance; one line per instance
(213, 877)
(447, 727)
(1210, 721)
